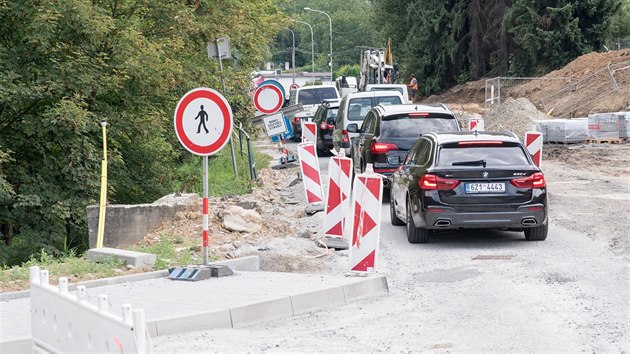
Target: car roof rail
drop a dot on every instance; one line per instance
(509, 132)
(443, 106)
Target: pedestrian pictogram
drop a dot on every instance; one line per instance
(203, 121)
(203, 118)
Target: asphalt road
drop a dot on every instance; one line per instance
(471, 291)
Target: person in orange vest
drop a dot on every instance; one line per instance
(413, 86)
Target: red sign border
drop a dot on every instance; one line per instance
(226, 112)
(276, 108)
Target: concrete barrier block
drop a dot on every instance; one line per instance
(370, 286)
(262, 311)
(318, 299)
(17, 345)
(194, 322)
(247, 264)
(136, 259)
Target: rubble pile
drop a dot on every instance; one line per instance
(515, 115)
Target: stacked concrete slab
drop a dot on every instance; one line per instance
(563, 130)
(624, 124)
(602, 126)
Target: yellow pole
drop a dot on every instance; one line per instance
(101, 211)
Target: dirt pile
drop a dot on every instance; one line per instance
(583, 86)
(515, 115)
(274, 226)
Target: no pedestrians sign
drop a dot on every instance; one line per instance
(203, 121)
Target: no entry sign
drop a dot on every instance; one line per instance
(269, 97)
(203, 121)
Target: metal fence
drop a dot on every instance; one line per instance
(572, 97)
(581, 94)
(498, 88)
(620, 43)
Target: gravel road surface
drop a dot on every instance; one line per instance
(472, 291)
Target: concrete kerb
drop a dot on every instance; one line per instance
(18, 345)
(249, 263)
(277, 308)
(250, 313)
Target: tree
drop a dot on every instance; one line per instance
(65, 65)
(549, 34)
(352, 24)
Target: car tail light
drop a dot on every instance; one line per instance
(381, 148)
(418, 114)
(296, 119)
(433, 182)
(345, 136)
(325, 126)
(536, 180)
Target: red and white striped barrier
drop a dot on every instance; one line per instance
(476, 123)
(310, 173)
(309, 132)
(366, 222)
(338, 195)
(534, 144)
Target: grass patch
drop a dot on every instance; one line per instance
(221, 179)
(71, 266)
(173, 250)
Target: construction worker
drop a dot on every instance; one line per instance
(413, 86)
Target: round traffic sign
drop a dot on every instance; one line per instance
(268, 98)
(294, 86)
(276, 83)
(203, 121)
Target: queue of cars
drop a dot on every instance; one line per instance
(439, 178)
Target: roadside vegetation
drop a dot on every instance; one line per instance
(68, 65)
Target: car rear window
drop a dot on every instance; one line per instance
(388, 100)
(404, 126)
(316, 95)
(493, 156)
(359, 107)
(396, 88)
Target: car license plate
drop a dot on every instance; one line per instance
(485, 187)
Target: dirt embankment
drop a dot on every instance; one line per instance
(583, 86)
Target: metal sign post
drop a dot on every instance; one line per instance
(191, 114)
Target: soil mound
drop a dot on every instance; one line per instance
(515, 115)
(583, 86)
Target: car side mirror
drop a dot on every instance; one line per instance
(393, 160)
(353, 128)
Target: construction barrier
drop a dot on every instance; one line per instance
(63, 322)
(476, 123)
(309, 132)
(338, 195)
(310, 173)
(366, 221)
(534, 144)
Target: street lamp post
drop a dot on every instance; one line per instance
(312, 47)
(330, 28)
(293, 53)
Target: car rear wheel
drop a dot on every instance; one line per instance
(392, 212)
(538, 233)
(415, 234)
